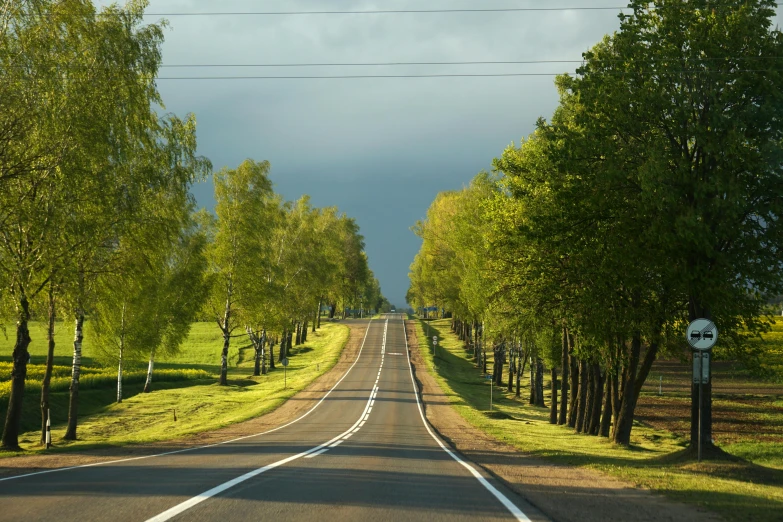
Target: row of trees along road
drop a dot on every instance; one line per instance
(97, 222)
(652, 197)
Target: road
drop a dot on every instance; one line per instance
(364, 452)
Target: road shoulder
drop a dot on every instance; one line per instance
(563, 493)
(286, 412)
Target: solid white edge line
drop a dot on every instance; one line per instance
(518, 514)
(208, 445)
(184, 506)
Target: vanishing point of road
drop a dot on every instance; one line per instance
(364, 452)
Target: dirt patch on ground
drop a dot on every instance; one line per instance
(728, 378)
(743, 409)
(287, 412)
(757, 419)
(561, 492)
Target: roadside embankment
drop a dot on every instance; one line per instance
(206, 413)
(579, 477)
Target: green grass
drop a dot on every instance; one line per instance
(200, 403)
(739, 490)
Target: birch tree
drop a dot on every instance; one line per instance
(235, 254)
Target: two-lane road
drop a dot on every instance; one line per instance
(364, 452)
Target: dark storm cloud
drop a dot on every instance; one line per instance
(380, 149)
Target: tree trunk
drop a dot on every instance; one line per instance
(76, 370)
(520, 370)
(573, 384)
(553, 402)
(510, 387)
(501, 356)
(606, 419)
(225, 327)
(540, 382)
(21, 357)
(628, 399)
(298, 334)
(615, 398)
(319, 314)
(271, 354)
(532, 400)
(581, 405)
(122, 349)
(281, 353)
(591, 378)
(598, 390)
(150, 367)
(304, 331)
(49, 364)
(261, 355)
(332, 308)
(562, 419)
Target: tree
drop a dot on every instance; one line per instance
(235, 254)
(692, 90)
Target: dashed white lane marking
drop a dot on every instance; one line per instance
(313, 452)
(518, 514)
(309, 456)
(308, 412)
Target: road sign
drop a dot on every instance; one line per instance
(285, 361)
(434, 342)
(701, 368)
(434, 337)
(702, 334)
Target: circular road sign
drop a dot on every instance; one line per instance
(434, 337)
(434, 342)
(285, 361)
(702, 334)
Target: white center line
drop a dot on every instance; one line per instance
(313, 452)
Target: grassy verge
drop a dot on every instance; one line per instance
(200, 404)
(739, 490)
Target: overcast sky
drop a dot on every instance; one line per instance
(379, 149)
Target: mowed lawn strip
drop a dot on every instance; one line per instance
(200, 405)
(737, 490)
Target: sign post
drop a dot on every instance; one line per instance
(702, 334)
(285, 372)
(434, 345)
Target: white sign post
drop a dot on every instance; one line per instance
(702, 334)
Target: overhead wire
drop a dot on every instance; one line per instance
(390, 11)
(401, 11)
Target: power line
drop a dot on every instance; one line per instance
(396, 64)
(393, 11)
(456, 75)
(371, 64)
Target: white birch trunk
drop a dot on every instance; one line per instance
(148, 382)
(122, 348)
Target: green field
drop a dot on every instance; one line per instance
(750, 489)
(185, 384)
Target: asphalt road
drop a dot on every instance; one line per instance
(363, 453)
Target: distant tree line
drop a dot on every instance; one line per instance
(97, 220)
(652, 197)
